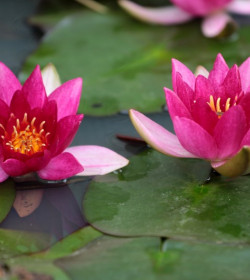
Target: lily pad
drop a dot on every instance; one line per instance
(42, 263)
(142, 258)
(7, 197)
(137, 258)
(70, 244)
(158, 195)
(125, 63)
(14, 243)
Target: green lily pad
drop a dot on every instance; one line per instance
(14, 243)
(125, 63)
(70, 244)
(42, 263)
(7, 198)
(141, 258)
(158, 195)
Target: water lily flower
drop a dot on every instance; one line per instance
(216, 20)
(210, 114)
(36, 129)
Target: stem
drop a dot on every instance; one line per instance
(164, 244)
(93, 5)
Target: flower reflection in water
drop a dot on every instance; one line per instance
(54, 210)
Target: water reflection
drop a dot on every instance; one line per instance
(51, 209)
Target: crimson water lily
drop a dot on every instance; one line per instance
(214, 13)
(36, 129)
(210, 114)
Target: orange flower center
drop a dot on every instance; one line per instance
(26, 138)
(216, 106)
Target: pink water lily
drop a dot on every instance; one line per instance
(36, 129)
(214, 13)
(211, 117)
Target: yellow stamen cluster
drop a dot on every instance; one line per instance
(216, 107)
(26, 138)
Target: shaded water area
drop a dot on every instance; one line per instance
(52, 209)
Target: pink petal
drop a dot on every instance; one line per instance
(175, 105)
(239, 7)
(187, 76)
(157, 136)
(200, 7)
(164, 15)
(65, 132)
(38, 162)
(232, 82)
(230, 131)
(215, 24)
(61, 167)
(204, 116)
(14, 167)
(203, 89)
(184, 91)
(219, 72)
(246, 139)
(8, 83)
(67, 97)
(195, 139)
(245, 75)
(245, 104)
(51, 79)
(97, 160)
(4, 112)
(3, 175)
(34, 89)
(217, 164)
(19, 104)
(48, 114)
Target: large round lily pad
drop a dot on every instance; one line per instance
(158, 195)
(125, 63)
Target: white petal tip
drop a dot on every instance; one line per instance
(200, 70)
(51, 78)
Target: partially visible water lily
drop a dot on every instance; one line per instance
(36, 129)
(210, 114)
(216, 20)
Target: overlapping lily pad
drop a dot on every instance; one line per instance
(158, 195)
(14, 243)
(142, 258)
(125, 63)
(42, 264)
(135, 258)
